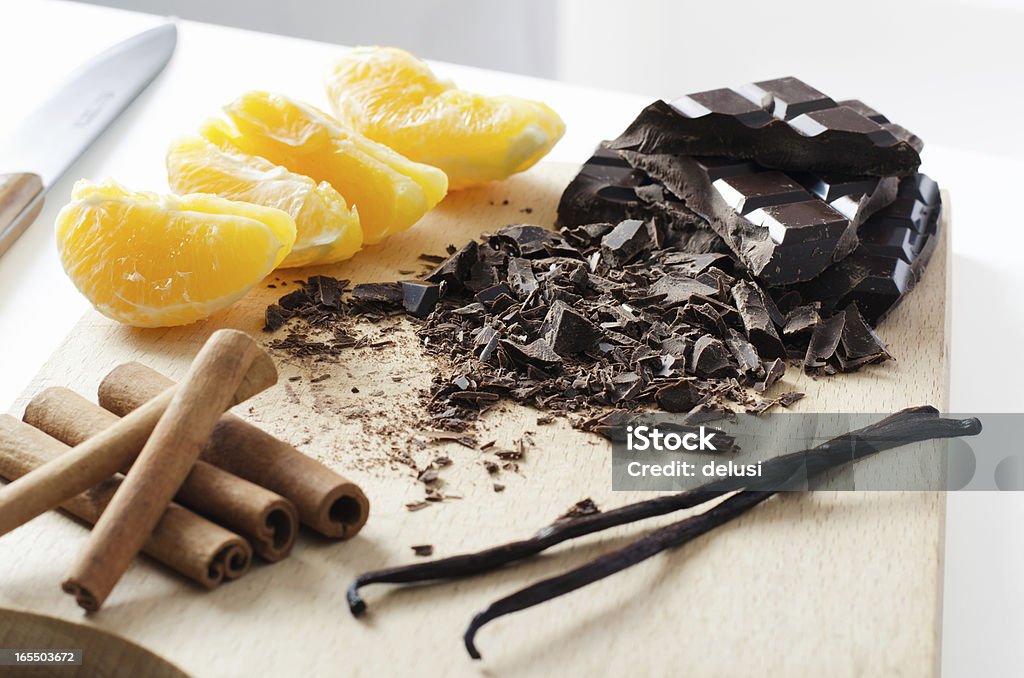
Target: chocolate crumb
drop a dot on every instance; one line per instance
(423, 550)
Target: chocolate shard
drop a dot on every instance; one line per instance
(520, 276)
(608, 190)
(491, 296)
(568, 332)
(758, 323)
(746, 356)
(537, 353)
(859, 344)
(677, 289)
(824, 342)
(529, 241)
(785, 228)
(710, 358)
(388, 294)
(327, 290)
(692, 264)
(293, 301)
(680, 396)
(775, 371)
(781, 123)
(275, 317)
(456, 269)
(626, 242)
(419, 298)
(801, 321)
(895, 246)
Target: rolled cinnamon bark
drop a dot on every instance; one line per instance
(98, 458)
(327, 502)
(164, 462)
(265, 518)
(188, 544)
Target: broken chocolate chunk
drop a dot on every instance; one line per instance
(760, 328)
(678, 288)
(537, 353)
(710, 358)
(455, 270)
(859, 344)
(782, 123)
(275, 317)
(520, 276)
(389, 294)
(781, 230)
(625, 242)
(775, 371)
(529, 241)
(824, 341)
(568, 332)
(419, 298)
(879, 274)
(680, 396)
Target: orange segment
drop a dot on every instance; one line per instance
(327, 230)
(390, 191)
(392, 97)
(155, 261)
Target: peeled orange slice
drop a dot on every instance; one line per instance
(390, 191)
(327, 230)
(155, 261)
(392, 97)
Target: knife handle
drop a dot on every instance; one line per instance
(21, 198)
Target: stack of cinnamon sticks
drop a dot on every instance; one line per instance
(163, 469)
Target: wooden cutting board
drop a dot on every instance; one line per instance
(809, 584)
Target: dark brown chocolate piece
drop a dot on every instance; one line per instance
(387, 294)
(781, 123)
(782, 227)
(895, 245)
(455, 270)
(625, 242)
(568, 332)
(761, 331)
(608, 191)
(419, 298)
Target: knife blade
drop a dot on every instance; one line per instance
(43, 147)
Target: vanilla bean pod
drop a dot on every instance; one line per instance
(832, 453)
(896, 430)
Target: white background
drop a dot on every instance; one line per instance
(949, 71)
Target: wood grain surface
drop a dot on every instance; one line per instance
(809, 584)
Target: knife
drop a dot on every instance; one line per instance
(43, 147)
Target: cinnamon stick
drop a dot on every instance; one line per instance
(266, 519)
(164, 462)
(99, 458)
(188, 544)
(327, 502)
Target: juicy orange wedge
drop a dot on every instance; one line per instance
(328, 231)
(155, 261)
(392, 97)
(390, 191)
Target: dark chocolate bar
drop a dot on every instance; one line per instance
(608, 190)
(895, 245)
(783, 123)
(784, 227)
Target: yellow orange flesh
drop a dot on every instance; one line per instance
(156, 261)
(390, 191)
(327, 230)
(393, 98)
